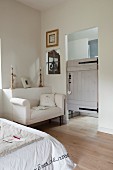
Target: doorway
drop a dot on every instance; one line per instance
(82, 73)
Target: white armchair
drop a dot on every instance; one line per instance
(33, 111)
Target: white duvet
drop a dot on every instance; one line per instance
(44, 154)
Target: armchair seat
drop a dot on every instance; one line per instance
(26, 113)
(48, 113)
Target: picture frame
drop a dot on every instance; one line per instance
(52, 38)
(25, 82)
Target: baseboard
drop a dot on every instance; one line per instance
(105, 130)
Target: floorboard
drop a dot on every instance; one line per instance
(88, 148)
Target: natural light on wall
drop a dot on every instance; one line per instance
(0, 67)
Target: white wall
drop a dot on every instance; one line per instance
(20, 39)
(78, 49)
(20, 43)
(1, 104)
(73, 16)
(1, 101)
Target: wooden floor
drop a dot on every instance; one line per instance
(88, 148)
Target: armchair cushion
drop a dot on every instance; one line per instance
(47, 100)
(45, 114)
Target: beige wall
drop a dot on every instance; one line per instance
(73, 16)
(20, 39)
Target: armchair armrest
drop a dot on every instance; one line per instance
(21, 110)
(60, 101)
(20, 101)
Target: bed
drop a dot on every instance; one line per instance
(24, 148)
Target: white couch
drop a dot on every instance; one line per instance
(29, 111)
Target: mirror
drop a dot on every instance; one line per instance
(83, 44)
(53, 62)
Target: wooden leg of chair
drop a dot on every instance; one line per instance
(60, 120)
(49, 120)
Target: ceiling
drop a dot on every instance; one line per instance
(41, 5)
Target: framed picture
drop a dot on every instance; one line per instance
(25, 82)
(53, 62)
(52, 38)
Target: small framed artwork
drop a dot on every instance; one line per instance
(25, 82)
(52, 38)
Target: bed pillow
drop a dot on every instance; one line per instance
(47, 100)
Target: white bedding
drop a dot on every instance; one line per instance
(45, 154)
(13, 138)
